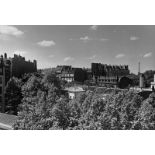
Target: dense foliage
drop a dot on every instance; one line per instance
(45, 106)
(40, 103)
(13, 95)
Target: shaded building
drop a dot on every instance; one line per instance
(5, 75)
(88, 73)
(20, 66)
(16, 66)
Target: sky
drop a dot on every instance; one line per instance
(80, 45)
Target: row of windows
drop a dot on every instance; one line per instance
(67, 75)
(0, 90)
(68, 79)
(107, 80)
(0, 80)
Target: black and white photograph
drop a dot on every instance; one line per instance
(77, 77)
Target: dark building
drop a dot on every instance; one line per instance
(16, 66)
(88, 73)
(5, 74)
(64, 73)
(108, 74)
(20, 66)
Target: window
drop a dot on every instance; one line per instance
(0, 90)
(0, 80)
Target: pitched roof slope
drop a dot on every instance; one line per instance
(6, 121)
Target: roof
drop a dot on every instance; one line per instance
(145, 94)
(6, 121)
(75, 89)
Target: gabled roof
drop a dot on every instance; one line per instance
(6, 121)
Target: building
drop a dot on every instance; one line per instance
(70, 74)
(65, 73)
(73, 92)
(153, 84)
(141, 80)
(20, 66)
(16, 66)
(88, 73)
(108, 74)
(5, 74)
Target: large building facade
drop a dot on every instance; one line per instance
(16, 66)
(108, 74)
(20, 66)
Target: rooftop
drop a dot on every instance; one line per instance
(75, 89)
(6, 121)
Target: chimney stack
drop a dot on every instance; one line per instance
(138, 68)
(141, 80)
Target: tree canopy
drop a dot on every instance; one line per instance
(13, 95)
(44, 107)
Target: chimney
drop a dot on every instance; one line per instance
(138, 68)
(141, 80)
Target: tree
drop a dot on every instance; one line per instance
(50, 78)
(41, 105)
(13, 95)
(121, 110)
(44, 107)
(147, 114)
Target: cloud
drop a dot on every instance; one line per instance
(92, 57)
(46, 43)
(20, 52)
(147, 55)
(4, 37)
(94, 27)
(51, 56)
(10, 30)
(134, 38)
(85, 39)
(68, 59)
(104, 39)
(121, 55)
